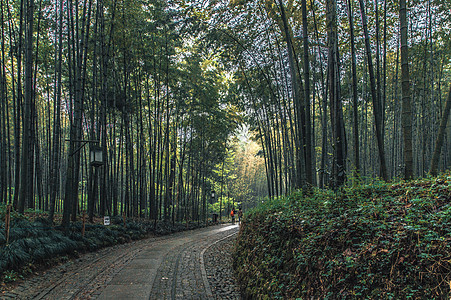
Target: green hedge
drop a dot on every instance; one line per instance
(36, 241)
(384, 241)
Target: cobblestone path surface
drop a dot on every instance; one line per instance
(218, 268)
(169, 267)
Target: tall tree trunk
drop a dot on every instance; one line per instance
(73, 168)
(378, 115)
(26, 188)
(4, 144)
(300, 156)
(354, 92)
(17, 104)
(384, 83)
(406, 120)
(378, 68)
(57, 118)
(309, 159)
(440, 136)
(104, 63)
(336, 111)
(323, 107)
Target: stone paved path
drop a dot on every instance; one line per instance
(169, 267)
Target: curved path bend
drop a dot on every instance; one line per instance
(168, 267)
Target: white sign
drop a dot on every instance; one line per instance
(106, 220)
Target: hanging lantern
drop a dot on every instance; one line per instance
(96, 156)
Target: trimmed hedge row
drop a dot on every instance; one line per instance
(36, 241)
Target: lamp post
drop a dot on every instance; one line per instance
(214, 216)
(95, 160)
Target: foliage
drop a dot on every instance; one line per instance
(37, 242)
(385, 241)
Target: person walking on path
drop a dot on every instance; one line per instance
(240, 215)
(232, 214)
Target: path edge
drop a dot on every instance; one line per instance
(202, 265)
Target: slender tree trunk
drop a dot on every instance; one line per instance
(323, 107)
(440, 136)
(384, 83)
(300, 156)
(72, 181)
(378, 69)
(406, 119)
(26, 188)
(57, 119)
(354, 92)
(17, 107)
(4, 139)
(309, 159)
(336, 111)
(378, 115)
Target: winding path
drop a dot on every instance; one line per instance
(169, 267)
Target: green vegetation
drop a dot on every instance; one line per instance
(36, 243)
(381, 240)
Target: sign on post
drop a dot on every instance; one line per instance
(106, 220)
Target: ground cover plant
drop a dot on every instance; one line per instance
(382, 240)
(35, 243)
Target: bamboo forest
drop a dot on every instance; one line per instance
(329, 90)
(312, 133)
(181, 111)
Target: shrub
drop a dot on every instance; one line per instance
(34, 242)
(379, 240)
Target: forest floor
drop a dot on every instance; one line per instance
(186, 265)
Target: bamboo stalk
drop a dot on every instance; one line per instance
(7, 222)
(84, 223)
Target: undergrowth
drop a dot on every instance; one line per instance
(378, 241)
(36, 243)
